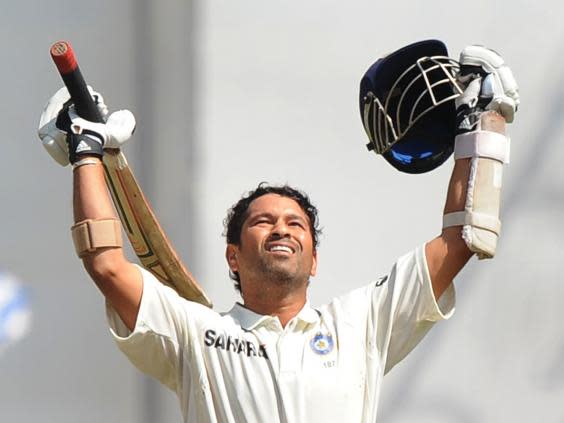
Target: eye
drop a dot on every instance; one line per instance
(296, 223)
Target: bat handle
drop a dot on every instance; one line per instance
(65, 60)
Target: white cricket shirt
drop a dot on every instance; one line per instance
(326, 365)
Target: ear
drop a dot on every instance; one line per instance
(231, 257)
(313, 271)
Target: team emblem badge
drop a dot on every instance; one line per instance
(322, 344)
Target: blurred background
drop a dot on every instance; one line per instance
(228, 94)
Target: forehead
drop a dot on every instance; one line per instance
(276, 205)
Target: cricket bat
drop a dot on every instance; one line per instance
(145, 234)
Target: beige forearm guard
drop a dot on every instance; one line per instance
(90, 234)
(488, 151)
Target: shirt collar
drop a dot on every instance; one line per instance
(249, 320)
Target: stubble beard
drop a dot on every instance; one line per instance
(281, 273)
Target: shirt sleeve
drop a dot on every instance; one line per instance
(163, 333)
(406, 310)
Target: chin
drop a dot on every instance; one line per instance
(284, 271)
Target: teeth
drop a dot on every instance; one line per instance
(281, 248)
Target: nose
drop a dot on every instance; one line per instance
(280, 230)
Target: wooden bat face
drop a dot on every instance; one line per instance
(145, 233)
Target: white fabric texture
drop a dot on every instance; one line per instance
(477, 220)
(326, 365)
(487, 144)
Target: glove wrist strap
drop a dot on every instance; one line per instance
(86, 143)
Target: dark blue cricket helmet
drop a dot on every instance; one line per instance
(407, 106)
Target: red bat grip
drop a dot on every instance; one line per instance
(66, 63)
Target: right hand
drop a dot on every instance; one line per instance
(67, 137)
(488, 84)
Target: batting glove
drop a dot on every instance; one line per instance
(66, 136)
(488, 84)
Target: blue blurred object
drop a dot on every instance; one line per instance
(407, 106)
(15, 310)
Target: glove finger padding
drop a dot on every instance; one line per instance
(509, 83)
(471, 94)
(499, 91)
(121, 126)
(52, 132)
(113, 134)
(57, 149)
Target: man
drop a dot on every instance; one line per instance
(273, 358)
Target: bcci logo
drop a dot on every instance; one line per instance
(322, 344)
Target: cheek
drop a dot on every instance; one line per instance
(252, 238)
(307, 242)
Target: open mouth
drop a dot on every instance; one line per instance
(279, 248)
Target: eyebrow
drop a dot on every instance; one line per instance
(261, 214)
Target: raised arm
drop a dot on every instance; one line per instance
(96, 232)
(118, 279)
(471, 214)
(448, 253)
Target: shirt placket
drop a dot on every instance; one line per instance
(290, 352)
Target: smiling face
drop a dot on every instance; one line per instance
(276, 244)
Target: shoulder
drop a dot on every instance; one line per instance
(352, 307)
(408, 269)
(161, 302)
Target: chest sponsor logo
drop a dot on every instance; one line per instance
(322, 343)
(232, 344)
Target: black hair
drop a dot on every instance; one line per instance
(238, 213)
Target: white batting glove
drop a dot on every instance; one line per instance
(489, 85)
(66, 136)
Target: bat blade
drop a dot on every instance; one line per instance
(146, 235)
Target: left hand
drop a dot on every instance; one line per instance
(66, 136)
(489, 85)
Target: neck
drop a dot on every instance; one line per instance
(276, 301)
